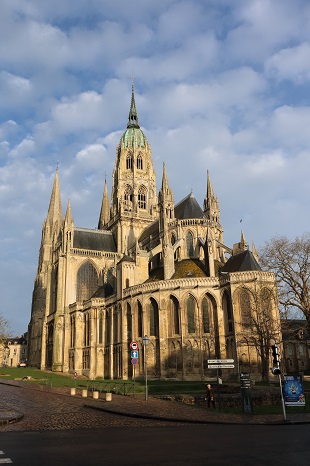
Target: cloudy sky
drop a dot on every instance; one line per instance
(220, 85)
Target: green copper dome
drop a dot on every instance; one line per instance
(133, 138)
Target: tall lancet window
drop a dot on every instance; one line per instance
(191, 306)
(87, 282)
(189, 244)
(129, 161)
(139, 162)
(142, 197)
(128, 195)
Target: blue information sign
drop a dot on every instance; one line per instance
(135, 354)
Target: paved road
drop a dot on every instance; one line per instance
(59, 429)
(191, 445)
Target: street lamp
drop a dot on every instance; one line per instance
(145, 342)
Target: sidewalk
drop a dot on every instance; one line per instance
(154, 408)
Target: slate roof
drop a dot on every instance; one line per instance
(241, 262)
(188, 208)
(94, 240)
(104, 291)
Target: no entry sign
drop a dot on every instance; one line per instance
(134, 345)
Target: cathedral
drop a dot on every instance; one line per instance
(152, 268)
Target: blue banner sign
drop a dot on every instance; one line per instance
(293, 390)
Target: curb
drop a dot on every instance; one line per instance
(10, 418)
(191, 421)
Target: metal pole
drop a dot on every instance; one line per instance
(145, 341)
(282, 399)
(146, 394)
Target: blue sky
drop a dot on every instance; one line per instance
(220, 85)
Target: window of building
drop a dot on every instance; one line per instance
(154, 321)
(245, 308)
(129, 322)
(189, 244)
(174, 324)
(228, 312)
(142, 197)
(206, 307)
(129, 161)
(139, 162)
(128, 194)
(190, 306)
(87, 282)
(100, 329)
(140, 320)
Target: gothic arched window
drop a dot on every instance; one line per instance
(189, 244)
(87, 282)
(139, 162)
(140, 320)
(129, 161)
(174, 324)
(129, 322)
(142, 197)
(245, 308)
(190, 307)
(154, 321)
(100, 329)
(128, 194)
(228, 312)
(206, 315)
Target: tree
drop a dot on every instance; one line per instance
(290, 261)
(4, 335)
(259, 325)
(4, 332)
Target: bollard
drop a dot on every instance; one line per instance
(95, 395)
(84, 393)
(108, 397)
(73, 391)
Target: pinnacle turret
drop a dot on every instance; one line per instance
(105, 209)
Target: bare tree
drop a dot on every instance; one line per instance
(4, 329)
(290, 261)
(4, 335)
(259, 327)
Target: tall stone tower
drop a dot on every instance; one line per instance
(133, 199)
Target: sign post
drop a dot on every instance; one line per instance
(246, 396)
(134, 353)
(220, 364)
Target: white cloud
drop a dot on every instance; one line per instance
(219, 85)
(291, 63)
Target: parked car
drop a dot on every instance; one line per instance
(22, 364)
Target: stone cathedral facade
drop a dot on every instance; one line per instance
(152, 267)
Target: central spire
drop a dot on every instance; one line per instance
(133, 121)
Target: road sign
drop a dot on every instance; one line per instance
(134, 345)
(135, 354)
(221, 361)
(134, 361)
(221, 366)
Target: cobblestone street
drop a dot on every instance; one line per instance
(45, 409)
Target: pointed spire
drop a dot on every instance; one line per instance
(54, 213)
(254, 251)
(105, 209)
(210, 193)
(68, 216)
(164, 183)
(133, 121)
(211, 204)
